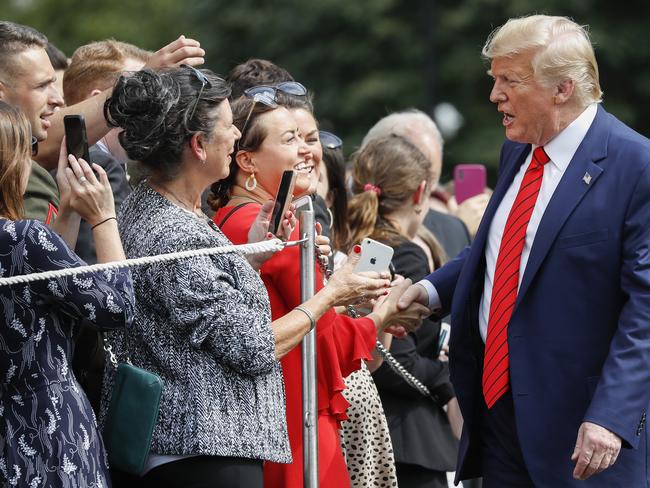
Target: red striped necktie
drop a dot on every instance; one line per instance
(496, 364)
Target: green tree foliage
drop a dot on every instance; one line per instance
(149, 24)
(366, 58)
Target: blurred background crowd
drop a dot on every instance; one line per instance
(366, 59)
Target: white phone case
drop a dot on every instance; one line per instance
(375, 256)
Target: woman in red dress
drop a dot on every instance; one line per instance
(270, 144)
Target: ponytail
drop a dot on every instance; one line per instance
(363, 210)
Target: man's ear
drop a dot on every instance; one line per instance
(419, 195)
(197, 147)
(245, 161)
(3, 92)
(564, 91)
(95, 92)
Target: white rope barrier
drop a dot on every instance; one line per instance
(244, 249)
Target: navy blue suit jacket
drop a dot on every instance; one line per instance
(579, 336)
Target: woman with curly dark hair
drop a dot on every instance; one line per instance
(203, 324)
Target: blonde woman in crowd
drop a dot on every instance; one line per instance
(391, 181)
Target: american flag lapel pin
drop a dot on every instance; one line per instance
(587, 178)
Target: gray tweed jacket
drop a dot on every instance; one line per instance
(203, 325)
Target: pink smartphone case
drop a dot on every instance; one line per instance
(469, 180)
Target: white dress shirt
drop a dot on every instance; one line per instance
(560, 150)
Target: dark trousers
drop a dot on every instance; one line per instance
(503, 460)
(414, 476)
(197, 472)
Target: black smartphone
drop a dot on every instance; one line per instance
(75, 137)
(283, 198)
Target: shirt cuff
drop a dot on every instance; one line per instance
(434, 299)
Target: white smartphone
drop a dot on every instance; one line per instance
(375, 256)
(443, 336)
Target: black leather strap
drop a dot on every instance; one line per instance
(232, 211)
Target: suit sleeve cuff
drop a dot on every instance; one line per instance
(434, 299)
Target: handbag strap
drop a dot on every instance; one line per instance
(397, 367)
(108, 349)
(232, 211)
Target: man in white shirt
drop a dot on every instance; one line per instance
(550, 305)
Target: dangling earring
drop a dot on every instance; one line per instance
(418, 210)
(202, 161)
(250, 186)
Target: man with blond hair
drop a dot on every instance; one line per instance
(550, 306)
(94, 68)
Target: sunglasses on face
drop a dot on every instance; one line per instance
(204, 82)
(34, 146)
(260, 97)
(288, 87)
(329, 140)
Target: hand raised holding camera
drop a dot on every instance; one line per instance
(259, 231)
(90, 197)
(348, 287)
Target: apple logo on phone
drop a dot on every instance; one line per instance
(373, 260)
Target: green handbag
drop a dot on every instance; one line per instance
(132, 415)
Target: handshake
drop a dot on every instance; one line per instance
(392, 308)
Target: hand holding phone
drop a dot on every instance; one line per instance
(469, 181)
(283, 198)
(375, 256)
(75, 137)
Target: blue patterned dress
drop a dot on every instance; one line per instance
(48, 432)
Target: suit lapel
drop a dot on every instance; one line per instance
(469, 272)
(579, 177)
(504, 183)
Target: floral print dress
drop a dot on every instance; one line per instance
(48, 432)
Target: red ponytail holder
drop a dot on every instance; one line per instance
(371, 187)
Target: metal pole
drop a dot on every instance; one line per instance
(309, 396)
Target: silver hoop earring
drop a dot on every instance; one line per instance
(251, 186)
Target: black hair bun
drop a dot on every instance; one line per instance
(139, 104)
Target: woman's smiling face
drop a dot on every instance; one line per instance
(283, 149)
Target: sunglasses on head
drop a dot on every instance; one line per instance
(260, 97)
(288, 87)
(34, 146)
(204, 82)
(329, 140)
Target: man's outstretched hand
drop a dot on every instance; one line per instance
(414, 294)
